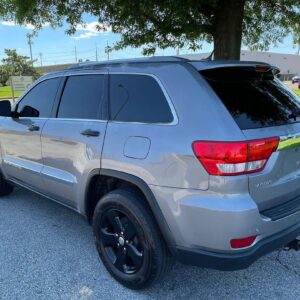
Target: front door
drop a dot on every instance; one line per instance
(72, 142)
(21, 136)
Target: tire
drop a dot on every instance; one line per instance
(5, 187)
(146, 257)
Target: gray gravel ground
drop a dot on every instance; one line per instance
(47, 252)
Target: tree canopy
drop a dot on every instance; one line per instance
(170, 23)
(15, 64)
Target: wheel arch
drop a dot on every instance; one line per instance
(135, 181)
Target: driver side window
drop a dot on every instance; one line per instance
(38, 102)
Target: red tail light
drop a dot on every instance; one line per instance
(235, 158)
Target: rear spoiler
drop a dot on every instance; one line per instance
(259, 66)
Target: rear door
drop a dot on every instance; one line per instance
(264, 107)
(21, 137)
(72, 141)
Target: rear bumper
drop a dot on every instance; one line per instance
(203, 223)
(237, 261)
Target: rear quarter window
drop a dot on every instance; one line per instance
(138, 98)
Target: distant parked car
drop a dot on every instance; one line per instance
(296, 78)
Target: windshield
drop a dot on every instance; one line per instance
(256, 101)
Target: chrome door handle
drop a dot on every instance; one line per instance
(90, 132)
(33, 128)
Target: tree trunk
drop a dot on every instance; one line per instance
(227, 29)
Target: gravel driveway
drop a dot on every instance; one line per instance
(47, 252)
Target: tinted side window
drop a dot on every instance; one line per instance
(83, 97)
(138, 98)
(40, 99)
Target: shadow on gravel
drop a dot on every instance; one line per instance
(47, 252)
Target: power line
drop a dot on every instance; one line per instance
(62, 52)
(69, 52)
(61, 55)
(84, 54)
(57, 52)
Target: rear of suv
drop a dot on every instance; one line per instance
(166, 158)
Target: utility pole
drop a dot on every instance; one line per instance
(107, 49)
(96, 52)
(29, 36)
(177, 51)
(75, 53)
(41, 58)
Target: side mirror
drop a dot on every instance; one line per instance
(29, 111)
(5, 108)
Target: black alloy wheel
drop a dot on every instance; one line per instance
(128, 239)
(121, 241)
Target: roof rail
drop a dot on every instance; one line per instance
(153, 59)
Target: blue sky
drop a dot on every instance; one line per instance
(56, 47)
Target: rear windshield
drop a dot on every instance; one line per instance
(254, 99)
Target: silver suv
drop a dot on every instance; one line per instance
(165, 157)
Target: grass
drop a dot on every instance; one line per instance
(297, 92)
(5, 92)
(289, 144)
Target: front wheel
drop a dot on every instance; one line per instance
(128, 240)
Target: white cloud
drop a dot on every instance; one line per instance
(85, 35)
(8, 23)
(27, 26)
(90, 30)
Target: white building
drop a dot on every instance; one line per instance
(287, 63)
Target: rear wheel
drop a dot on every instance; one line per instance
(128, 240)
(5, 187)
